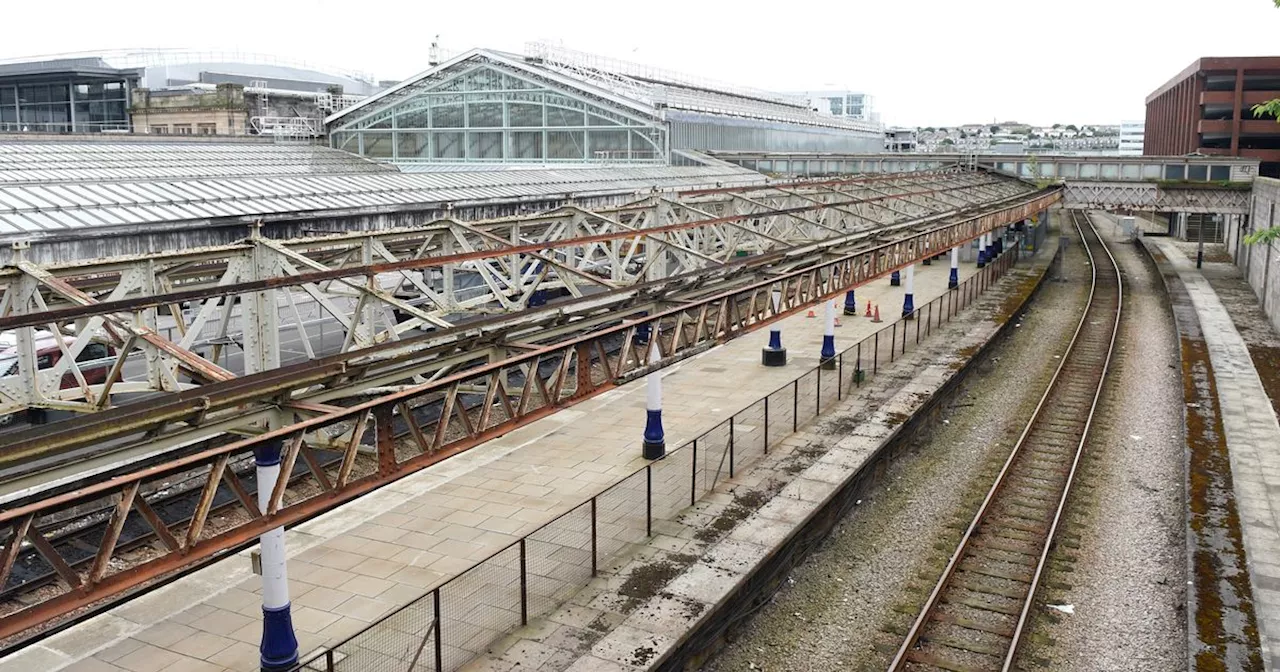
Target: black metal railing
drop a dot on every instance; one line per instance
(459, 619)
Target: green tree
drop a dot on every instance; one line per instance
(995, 129)
(1271, 108)
(1072, 127)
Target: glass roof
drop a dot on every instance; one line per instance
(50, 162)
(60, 208)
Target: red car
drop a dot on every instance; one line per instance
(96, 360)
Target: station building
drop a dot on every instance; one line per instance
(557, 106)
(178, 92)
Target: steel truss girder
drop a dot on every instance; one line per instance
(360, 281)
(1149, 196)
(475, 404)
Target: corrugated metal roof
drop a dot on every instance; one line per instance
(59, 208)
(67, 162)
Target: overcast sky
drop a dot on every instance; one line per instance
(927, 62)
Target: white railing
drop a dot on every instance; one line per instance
(286, 127)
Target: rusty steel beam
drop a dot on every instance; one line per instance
(71, 434)
(502, 396)
(367, 270)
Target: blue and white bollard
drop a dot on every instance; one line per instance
(655, 443)
(954, 281)
(850, 304)
(895, 279)
(775, 354)
(828, 354)
(279, 648)
(982, 250)
(642, 331)
(908, 299)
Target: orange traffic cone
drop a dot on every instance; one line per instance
(877, 316)
(868, 307)
(811, 314)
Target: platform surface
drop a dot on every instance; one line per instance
(1253, 442)
(349, 567)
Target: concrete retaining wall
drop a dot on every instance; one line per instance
(1260, 264)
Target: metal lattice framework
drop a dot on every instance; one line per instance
(179, 320)
(1082, 195)
(390, 398)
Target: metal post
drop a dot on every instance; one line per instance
(1200, 243)
(795, 405)
(648, 500)
(774, 354)
(594, 555)
(893, 341)
(766, 424)
(875, 356)
(857, 367)
(279, 648)
(850, 304)
(524, 585)
(655, 444)
(840, 377)
(731, 446)
(693, 476)
(954, 280)
(908, 298)
(827, 356)
(435, 600)
(817, 408)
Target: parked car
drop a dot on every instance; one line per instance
(95, 362)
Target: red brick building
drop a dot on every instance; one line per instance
(1207, 109)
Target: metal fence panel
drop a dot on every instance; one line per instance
(781, 413)
(671, 483)
(713, 453)
(558, 560)
(480, 606)
(535, 576)
(748, 435)
(403, 642)
(807, 397)
(621, 515)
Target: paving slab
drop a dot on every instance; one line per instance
(800, 476)
(1253, 443)
(354, 564)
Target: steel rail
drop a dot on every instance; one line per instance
(578, 368)
(914, 636)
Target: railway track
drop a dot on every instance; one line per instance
(978, 613)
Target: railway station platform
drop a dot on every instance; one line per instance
(1253, 442)
(658, 607)
(351, 566)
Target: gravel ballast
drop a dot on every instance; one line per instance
(874, 571)
(1127, 548)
